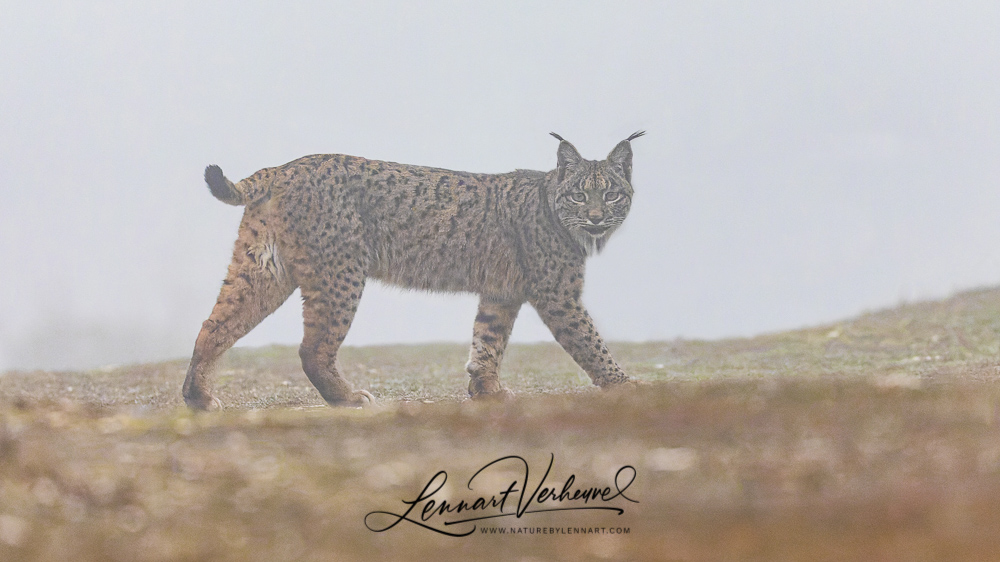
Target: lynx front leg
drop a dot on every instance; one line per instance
(494, 322)
(564, 314)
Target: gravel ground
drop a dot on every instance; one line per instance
(875, 438)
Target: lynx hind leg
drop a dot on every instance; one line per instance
(490, 334)
(328, 308)
(254, 288)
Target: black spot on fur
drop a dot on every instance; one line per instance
(485, 318)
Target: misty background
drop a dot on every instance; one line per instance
(804, 161)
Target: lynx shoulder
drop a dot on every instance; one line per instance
(327, 223)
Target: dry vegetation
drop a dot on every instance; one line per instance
(871, 439)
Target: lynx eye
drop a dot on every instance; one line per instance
(578, 197)
(612, 196)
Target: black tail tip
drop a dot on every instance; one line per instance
(220, 186)
(214, 175)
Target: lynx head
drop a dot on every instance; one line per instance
(592, 197)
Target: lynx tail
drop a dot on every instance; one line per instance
(222, 188)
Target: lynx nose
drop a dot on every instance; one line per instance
(595, 216)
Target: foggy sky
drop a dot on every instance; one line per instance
(804, 161)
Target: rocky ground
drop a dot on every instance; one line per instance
(874, 438)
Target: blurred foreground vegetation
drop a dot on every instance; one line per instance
(870, 439)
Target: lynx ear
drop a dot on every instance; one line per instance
(567, 157)
(621, 156)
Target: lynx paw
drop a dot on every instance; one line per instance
(502, 395)
(492, 390)
(626, 385)
(358, 399)
(203, 403)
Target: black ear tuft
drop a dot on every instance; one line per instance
(557, 136)
(635, 135)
